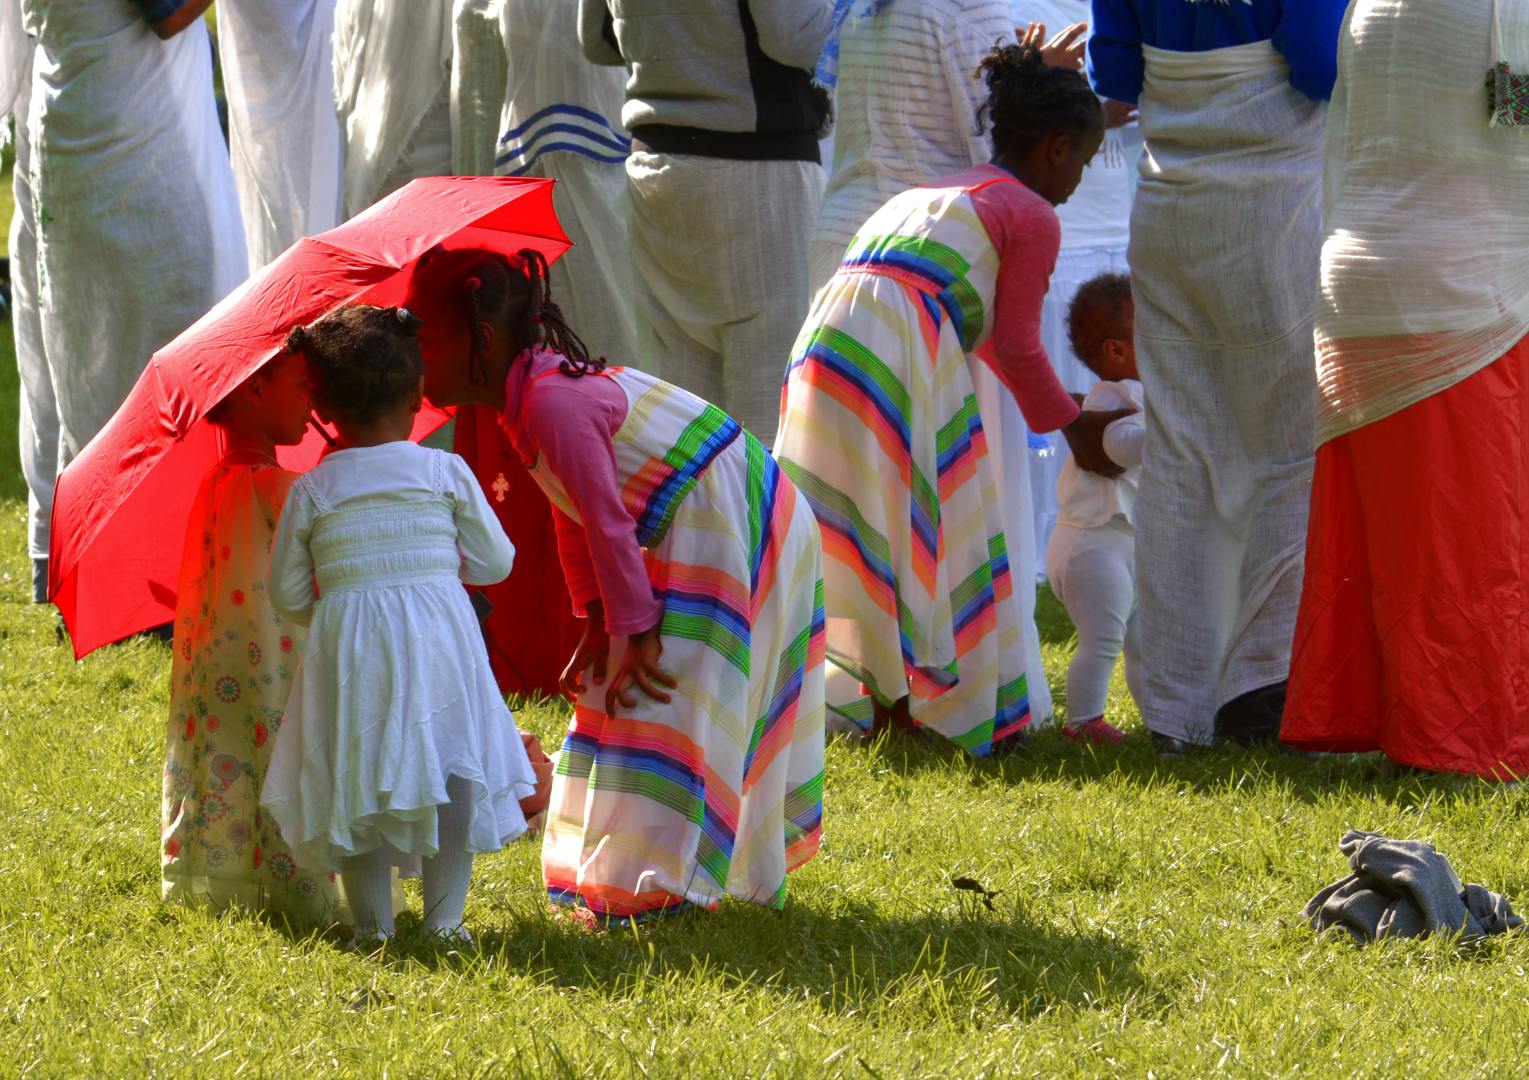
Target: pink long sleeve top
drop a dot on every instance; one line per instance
(569, 426)
(1027, 235)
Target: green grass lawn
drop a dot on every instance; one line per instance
(1147, 922)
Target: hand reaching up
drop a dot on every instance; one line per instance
(1065, 50)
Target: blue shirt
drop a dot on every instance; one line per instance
(1304, 31)
(158, 10)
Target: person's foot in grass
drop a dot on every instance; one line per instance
(1096, 731)
(455, 937)
(895, 717)
(1252, 719)
(1017, 743)
(1169, 746)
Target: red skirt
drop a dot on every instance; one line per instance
(531, 631)
(1413, 633)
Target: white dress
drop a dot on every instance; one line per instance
(394, 694)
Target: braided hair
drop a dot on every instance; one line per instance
(366, 360)
(1029, 100)
(510, 291)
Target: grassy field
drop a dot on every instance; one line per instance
(1147, 922)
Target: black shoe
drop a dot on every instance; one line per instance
(1016, 743)
(164, 633)
(39, 581)
(1168, 746)
(1252, 718)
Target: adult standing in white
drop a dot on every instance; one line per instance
(1096, 227)
(38, 408)
(284, 137)
(1232, 111)
(725, 185)
(128, 224)
(529, 104)
(392, 84)
(905, 107)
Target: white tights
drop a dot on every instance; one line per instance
(368, 877)
(1093, 573)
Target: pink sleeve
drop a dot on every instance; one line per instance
(572, 429)
(1027, 234)
(578, 567)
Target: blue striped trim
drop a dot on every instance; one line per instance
(709, 608)
(609, 145)
(763, 499)
(656, 514)
(566, 110)
(839, 364)
(940, 279)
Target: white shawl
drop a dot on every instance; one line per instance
(1425, 277)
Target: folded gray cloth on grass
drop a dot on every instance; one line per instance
(1405, 888)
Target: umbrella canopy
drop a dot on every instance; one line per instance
(120, 508)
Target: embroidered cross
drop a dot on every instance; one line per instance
(500, 486)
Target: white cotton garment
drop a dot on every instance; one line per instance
(1005, 429)
(284, 136)
(1424, 276)
(138, 228)
(1049, 453)
(1224, 348)
(395, 694)
(1098, 213)
(1087, 500)
(525, 102)
(905, 108)
(1093, 573)
(719, 265)
(392, 72)
(1096, 227)
(37, 407)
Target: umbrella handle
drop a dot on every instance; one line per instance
(313, 422)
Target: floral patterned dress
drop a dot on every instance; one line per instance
(233, 667)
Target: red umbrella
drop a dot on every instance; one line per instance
(120, 508)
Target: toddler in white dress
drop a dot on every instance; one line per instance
(396, 740)
(1091, 562)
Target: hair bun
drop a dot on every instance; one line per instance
(408, 320)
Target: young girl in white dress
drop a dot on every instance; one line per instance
(396, 740)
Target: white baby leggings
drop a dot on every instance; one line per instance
(368, 877)
(1093, 573)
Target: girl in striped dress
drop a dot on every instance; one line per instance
(693, 767)
(881, 427)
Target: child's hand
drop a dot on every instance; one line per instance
(639, 667)
(1085, 438)
(593, 649)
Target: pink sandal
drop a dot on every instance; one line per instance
(1098, 730)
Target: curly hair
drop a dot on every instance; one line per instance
(1098, 313)
(365, 360)
(510, 291)
(1029, 100)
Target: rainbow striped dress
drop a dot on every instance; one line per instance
(881, 431)
(719, 792)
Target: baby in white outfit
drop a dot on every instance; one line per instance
(1092, 558)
